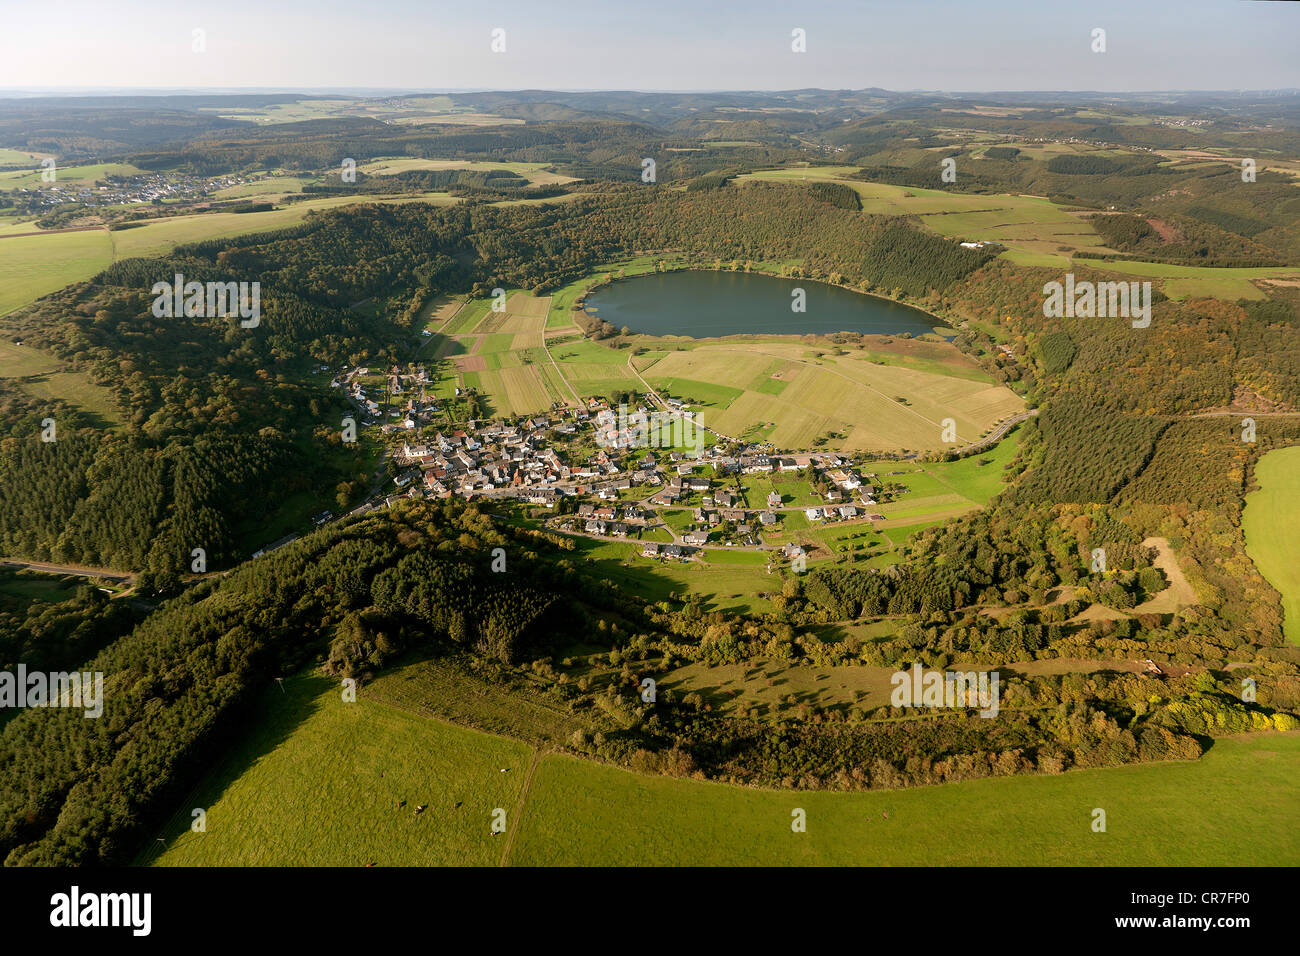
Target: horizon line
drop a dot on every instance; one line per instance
(199, 90)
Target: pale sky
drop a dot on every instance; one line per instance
(656, 44)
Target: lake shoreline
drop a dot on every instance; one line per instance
(866, 313)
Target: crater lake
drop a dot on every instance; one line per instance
(705, 304)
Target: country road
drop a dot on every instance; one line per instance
(995, 436)
(77, 569)
(1233, 414)
(659, 398)
(578, 403)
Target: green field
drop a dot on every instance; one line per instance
(63, 175)
(19, 157)
(592, 369)
(1032, 228)
(499, 353)
(43, 376)
(698, 392)
(33, 266)
(898, 535)
(77, 389)
(1271, 523)
(1182, 282)
(318, 783)
(17, 361)
(1195, 813)
(978, 477)
(727, 581)
(20, 589)
(266, 186)
(795, 394)
(538, 174)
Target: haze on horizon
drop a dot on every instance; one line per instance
(670, 45)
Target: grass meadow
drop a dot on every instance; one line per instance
(1271, 523)
(848, 398)
(318, 782)
(64, 175)
(1182, 282)
(42, 376)
(33, 266)
(19, 589)
(538, 174)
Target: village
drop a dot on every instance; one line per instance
(154, 188)
(599, 476)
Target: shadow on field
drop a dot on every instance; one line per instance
(268, 723)
(93, 417)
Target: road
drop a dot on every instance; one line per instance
(995, 436)
(578, 403)
(78, 569)
(664, 404)
(1235, 414)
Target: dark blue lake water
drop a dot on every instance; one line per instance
(706, 304)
